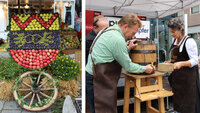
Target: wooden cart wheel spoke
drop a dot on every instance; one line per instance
(29, 75)
(39, 78)
(43, 84)
(27, 95)
(38, 97)
(24, 89)
(46, 89)
(32, 99)
(26, 84)
(43, 94)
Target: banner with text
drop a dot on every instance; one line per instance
(144, 32)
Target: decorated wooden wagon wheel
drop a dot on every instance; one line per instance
(35, 91)
(34, 43)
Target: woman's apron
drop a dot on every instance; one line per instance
(105, 79)
(183, 82)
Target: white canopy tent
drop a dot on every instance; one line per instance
(149, 8)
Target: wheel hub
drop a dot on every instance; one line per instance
(35, 90)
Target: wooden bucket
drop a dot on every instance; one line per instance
(144, 53)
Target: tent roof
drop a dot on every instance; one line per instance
(148, 8)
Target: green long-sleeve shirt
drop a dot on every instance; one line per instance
(111, 46)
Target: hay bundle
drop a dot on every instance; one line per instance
(47, 85)
(26, 80)
(22, 86)
(68, 88)
(6, 90)
(65, 88)
(78, 59)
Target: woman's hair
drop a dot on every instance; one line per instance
(176, 24)
(130, 19)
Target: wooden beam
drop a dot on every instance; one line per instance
(19, 10)
(145, 89)
(152, 110)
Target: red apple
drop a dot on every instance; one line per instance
(20, 63)
(34, 67)
(48, 62)
(12, 53)
(45, 64)
(16, 55)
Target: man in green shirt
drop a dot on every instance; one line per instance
(108, 54)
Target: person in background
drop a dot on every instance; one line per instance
(107, 55)
(99, 23)
(184, 55)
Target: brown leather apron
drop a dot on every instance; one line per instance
(105, 79)
(183, 82)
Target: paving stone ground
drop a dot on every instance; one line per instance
(12, 107)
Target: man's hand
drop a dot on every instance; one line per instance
(131, 44)
(149, 69)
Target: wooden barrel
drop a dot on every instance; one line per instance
(144, 53)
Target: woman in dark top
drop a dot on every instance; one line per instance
(184, 55)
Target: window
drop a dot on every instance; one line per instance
(195, 10)
(180, 13)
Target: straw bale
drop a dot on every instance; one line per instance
(6, 90)
(78, 58)
(68, 88)
(65, 88)
(47, 85)
(22, 86)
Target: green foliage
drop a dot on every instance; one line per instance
(58, 106)
(65, 68)
(41, 103)
(9, 69)
(23, 69)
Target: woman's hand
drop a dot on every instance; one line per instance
(169, 61)
(178, 65)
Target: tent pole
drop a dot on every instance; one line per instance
(157, 37)
(114, 10)
(186, 24)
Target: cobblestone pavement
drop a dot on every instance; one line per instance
(12, 107)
